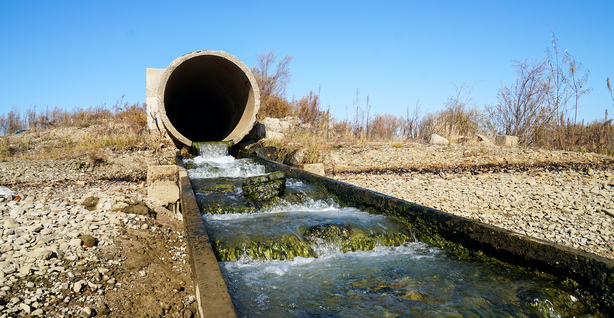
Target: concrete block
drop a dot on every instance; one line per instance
(506, 141)
(162, 184)
(317, 168)
(438, 140)
(152, 81)
(483, 140)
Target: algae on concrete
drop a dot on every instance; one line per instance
(266, 187)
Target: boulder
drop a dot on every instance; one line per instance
(264, 188)
(438, 140)
(267, 152)
(273, 125)
(295, 157)
(258, 132)
(274, 135)
(276, 127)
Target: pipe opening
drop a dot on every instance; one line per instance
(208, 96)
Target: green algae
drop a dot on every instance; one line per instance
(264, 188)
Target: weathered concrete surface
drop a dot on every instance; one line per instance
(163, 185)
(204, 96)
(506, 141)
(152, 81)
(317, 168)
(595, 274)
(211, 290)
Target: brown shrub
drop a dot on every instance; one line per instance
(307, 109)
(385, 127)
(274, 106)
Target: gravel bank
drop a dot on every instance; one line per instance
(60, 258)
(558, 196)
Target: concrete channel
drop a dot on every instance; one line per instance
(593, 274)
(211, 291)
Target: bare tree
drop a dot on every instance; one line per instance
(609, 88)
(361, 117)
(575, 82)
(411, 122)
(523, 108)
(559, 91)
(460, 115)
(273, 78)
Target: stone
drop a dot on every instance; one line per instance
(103, 310)
(188, 314)
(139, 209)
(329, 231)
(90, 203)
(267, 152)
(506, 141)
(295, 157)
(87, 312)
(264, 188)
(11, 223)
(76, 287)
(88, 240)
(258, 132)
(75, 242)
(25, 308)
(6, 193)
(277, 126)
(438, 140)
(274, 135)
(41, 253)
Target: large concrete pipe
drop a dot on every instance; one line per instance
(204, 96)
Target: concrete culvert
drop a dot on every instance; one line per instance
(207, 96)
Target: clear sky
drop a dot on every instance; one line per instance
(87, 53)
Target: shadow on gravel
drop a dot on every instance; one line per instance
(489, 168)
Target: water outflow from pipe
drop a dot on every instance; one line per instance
(207, 96)
(408, 280)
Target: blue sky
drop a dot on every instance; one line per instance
(87, 53)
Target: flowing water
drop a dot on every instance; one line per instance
(304, 255)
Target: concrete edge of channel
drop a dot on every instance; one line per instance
(211, 291)
(593, 272)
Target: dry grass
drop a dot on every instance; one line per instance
(83, 132)
(315, 145)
